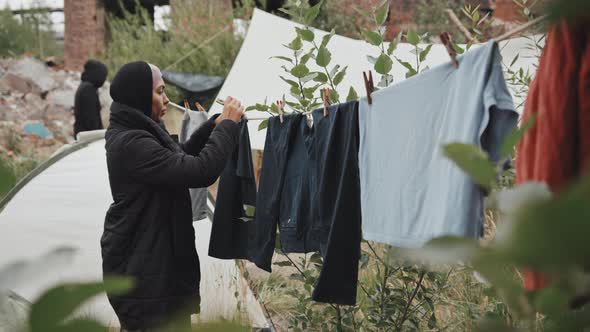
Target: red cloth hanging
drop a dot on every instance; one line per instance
(557, 149)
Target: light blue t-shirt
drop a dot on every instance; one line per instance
(411, 193)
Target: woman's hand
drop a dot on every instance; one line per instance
(232, 110)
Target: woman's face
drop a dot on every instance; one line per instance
(159, 100)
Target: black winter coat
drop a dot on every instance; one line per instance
(148, 232)
(86, 103)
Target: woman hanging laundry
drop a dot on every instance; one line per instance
(148, 233)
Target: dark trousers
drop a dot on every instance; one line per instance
(310, 189)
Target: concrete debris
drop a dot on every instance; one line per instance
(35, 71)
(36, 107)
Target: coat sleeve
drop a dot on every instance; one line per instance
(151, 163)
(199, 138)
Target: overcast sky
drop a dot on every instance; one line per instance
(25, 4)
(58, 18)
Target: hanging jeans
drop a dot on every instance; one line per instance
(310, 188)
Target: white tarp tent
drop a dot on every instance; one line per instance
(255, 77)
(63, 203)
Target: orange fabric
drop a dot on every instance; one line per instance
(557, 149)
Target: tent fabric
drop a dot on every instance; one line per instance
(254, 76)
(192, 83)
(65, 205)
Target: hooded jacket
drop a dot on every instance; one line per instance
(148, 233)
(86, 102)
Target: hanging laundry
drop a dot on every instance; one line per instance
(190, 122)
(234, 207)
(309, 188)
(557, 149)
(410, 192)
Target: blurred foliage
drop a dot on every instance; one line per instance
(27, 33)
(7, 177)
(430, 17)
(53, 311)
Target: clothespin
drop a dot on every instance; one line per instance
(326, 100)
(281, 110)
(369, 86)
(187, 106)
(199, 107)
(447, 40)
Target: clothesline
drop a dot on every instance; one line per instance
(261, 118)
(455, 20)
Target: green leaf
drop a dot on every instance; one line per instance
(458, 49)
(263, 125)
(326, 38)
(552, 301)
(413, 38)
(323, 57)
(340, 76)
(282, 58)
(334, 70)
(306, 57)
(384, 64)
(308, 92)
(321, 77)
(290, 82)
(295, 90)
(472, 161)
(476, 16)
(391, 48)
(424, 53)
(411, 73)
(405, 64)
(308, 78)
(372, 37)
(352, 95)
(296, 44)
(7, 178)
(313, 13)
(334, 96)
(300, 71)
(305, 34)
(59, 303)
(381, 14)
(515, 136)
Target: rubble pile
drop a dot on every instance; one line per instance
(36, 107)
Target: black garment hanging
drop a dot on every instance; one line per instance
(310, 188)
(232, 227)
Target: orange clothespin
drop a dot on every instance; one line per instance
(369, 86)
(199, 107)
(326, 100)
(281, 110)
(447, 40)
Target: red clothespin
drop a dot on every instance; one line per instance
(326, 100)
(369, 86)
(199, 107)
(281, 110)
(447, 40)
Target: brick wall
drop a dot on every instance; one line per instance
(84, 31)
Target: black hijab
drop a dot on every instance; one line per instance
(95, 72)
(132, 86)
